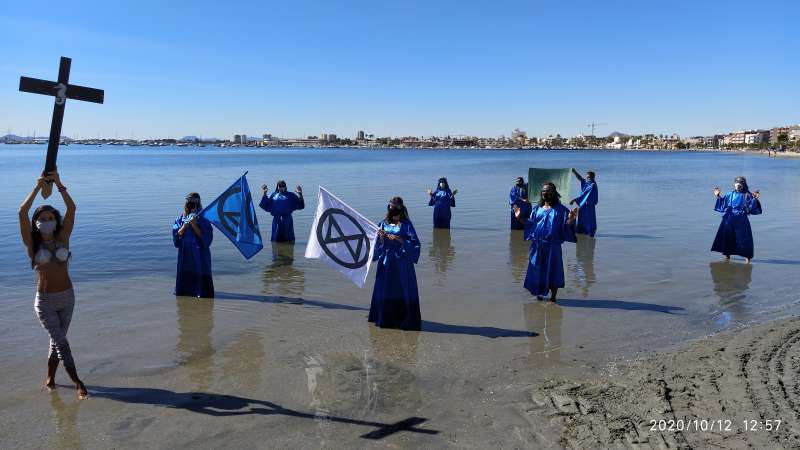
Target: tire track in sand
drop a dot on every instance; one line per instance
(727, 380)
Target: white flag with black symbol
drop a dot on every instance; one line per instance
(342, 237)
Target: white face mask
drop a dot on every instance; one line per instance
(738, 187)
(46, 226)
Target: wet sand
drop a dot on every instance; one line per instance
(284, 356)
(259, 371)
(738, 380)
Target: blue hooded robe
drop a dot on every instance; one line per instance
(586, 200)
(442, 200)
(395, 298)
(517, 197)
(547, 229)
(193, 277)
(281, 206)
(734, 236)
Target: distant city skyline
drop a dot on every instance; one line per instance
(412, 69)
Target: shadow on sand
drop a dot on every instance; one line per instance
(787, 262)
(489, 332)
(627, 236)
(427, 326)
(285, 300)
(619, 304)
(218, 405)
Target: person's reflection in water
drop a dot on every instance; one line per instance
(584, 264)
(518, 254)
(545, 319)
(442, 251)
(390, 380)
(731, 282)
(244, 363)
(194, 348)
(65, 418)
(281, 277)
(380, 381)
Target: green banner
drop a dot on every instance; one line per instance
(562, 178)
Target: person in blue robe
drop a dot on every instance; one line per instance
(549, 224)
(734, 236)
(442, 199)
(395, 298)
(281, 204)
(518, 198)
(192, 236)
(586, 202)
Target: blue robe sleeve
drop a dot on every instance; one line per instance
(376, 254)
(266, 203)
(452, 201)
(722, 203)
(530, 224)
(207, 232)
(176, 239)
(753, 205)
(299, 202)
(411, 244)
(517, 196)
(583, 197)
(432, 200)
(567, 229)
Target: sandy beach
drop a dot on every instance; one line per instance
(712, 392)
(246, 381)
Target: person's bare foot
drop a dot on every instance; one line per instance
(553, 298)
(727, 256)
(50, 383)
(747, 260)
(82, 392)
(539, 297)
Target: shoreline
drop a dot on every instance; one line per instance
(740, 382)
(748, 151)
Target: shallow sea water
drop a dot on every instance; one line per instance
(285, 352)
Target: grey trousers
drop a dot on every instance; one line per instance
(55, 313)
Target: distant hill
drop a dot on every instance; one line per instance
(618, 134)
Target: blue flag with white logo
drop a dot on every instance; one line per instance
(234, 215)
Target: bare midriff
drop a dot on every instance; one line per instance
(52, 277)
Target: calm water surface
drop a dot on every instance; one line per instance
(293, 331)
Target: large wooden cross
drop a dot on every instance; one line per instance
(61, 90)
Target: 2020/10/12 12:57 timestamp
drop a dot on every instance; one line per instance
(722, 425)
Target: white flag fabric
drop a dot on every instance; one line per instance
(342, 237)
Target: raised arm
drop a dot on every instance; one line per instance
(721, 201)
(24, 217)
(301, 202)
(754, 203)
(577, 175)
(266, 200)
(583, 197)
(69, 215)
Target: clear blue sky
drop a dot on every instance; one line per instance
(174, 68)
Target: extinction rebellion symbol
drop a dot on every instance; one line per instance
(230, 219)
(357, 244)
